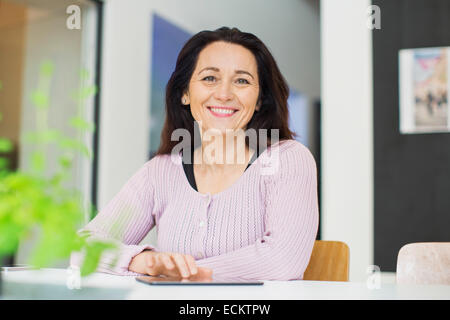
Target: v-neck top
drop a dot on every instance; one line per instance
(189, 167)
(262, 227)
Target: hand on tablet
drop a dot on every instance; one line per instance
(175, 265)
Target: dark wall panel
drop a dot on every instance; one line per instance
(412, 172)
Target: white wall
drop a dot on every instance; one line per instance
(347, 143)
(290, 28)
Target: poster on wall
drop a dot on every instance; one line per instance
(167, 41)
(424, 90)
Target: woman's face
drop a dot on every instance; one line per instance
(224, 79)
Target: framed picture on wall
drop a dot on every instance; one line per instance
(424, 90)
(167, 41)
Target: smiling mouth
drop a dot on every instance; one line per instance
(222, 112)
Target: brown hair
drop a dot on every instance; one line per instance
(273, 94)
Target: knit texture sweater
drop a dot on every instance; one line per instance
(262, 227)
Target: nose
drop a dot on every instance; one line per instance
(224, 91)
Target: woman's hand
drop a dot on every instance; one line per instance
(175, 265)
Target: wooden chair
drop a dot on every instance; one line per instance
(424, 263)
(329, 262)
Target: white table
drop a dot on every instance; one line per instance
(52, 284)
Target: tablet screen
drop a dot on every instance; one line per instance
(176, 281)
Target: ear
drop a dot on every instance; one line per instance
(185, 99)
(258, 106)
(258, 102)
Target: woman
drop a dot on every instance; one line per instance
(232, 219)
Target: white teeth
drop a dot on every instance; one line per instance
(222, 111)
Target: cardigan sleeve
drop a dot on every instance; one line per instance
(125, 221)
(290, 225)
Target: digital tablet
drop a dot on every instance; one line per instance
(176, 281)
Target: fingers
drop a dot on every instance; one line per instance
(203, 274)
(181, 265)
(150, 261)
(166, 261)
(173, 264)
(191, 264)
(208, 272)
(150, 265)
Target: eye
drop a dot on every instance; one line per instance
(209, 78)
(242, 81)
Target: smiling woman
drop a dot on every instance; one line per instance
(222, 96)
(225, 69)
(223, 89)
(255, 220)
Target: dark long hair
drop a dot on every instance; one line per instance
(273, 93)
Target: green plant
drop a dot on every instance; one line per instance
(37, 198)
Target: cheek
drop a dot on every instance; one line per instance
(250, 98)
(199, 92)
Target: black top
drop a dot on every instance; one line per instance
(189, 168)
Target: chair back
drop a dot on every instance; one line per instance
(329, 262)
(424, 263)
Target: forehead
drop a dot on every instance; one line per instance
(225, 55)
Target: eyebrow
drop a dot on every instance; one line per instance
(217, 70)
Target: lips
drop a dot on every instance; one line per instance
(215, 111)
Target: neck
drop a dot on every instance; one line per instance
(221, 154)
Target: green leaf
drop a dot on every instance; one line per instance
(57, 179)
(5, 145)
(4, 163)
(85, 92)
(74, 144)
(66, 161)
(93, 254)
(47, 68)
(81, 124)
(32, 202)
(45, 137)
(9, 238)
(39, 99)
(92, 211)
(84, 74)
(38, 161)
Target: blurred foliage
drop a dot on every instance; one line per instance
(36, 200)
